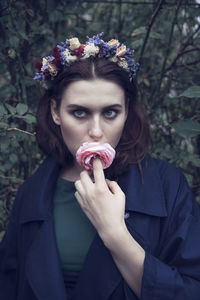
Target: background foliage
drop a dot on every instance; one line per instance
(166, 39)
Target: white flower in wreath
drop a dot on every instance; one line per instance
(121, 51)
(44, 64)
(113, 43)
(90, 50)
(74, 43)
(113, 59)
(123, 64)
(48, 66)
(68, 57)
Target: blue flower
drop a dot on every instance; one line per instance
(39, 76)
(45, 66)
(95, 39)
(50, 58)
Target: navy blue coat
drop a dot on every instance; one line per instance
(161, 215)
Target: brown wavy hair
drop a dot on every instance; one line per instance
(135, 138)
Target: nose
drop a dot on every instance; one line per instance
(95, 128)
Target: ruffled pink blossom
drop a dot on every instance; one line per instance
(88, 151)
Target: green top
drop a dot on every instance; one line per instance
(74, 232)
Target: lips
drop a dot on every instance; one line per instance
(88, 151)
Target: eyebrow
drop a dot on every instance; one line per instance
(73, 106)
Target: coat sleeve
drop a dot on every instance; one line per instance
(175, 272)
(9, 256)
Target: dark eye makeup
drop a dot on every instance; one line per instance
(108, 113)
(79, 113)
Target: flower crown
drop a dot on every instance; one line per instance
(70, 51)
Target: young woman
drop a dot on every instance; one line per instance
(128, 232)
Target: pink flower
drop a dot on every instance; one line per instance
(88, 151)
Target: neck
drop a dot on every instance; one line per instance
(71, 174)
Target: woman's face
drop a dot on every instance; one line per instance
(90, 111)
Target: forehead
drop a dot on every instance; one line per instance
(94, 91)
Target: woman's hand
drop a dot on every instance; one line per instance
(103, 201)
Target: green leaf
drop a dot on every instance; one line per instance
(4, 143)
(191, 92)
(138, 43)
(14, 41)
(6, 91)
(195, 160)
(21, 109)
(23, 34)
(11, 109)
(138, 31)
(146, 82)
(187, 128)
(29, 119)
(13, 158)
(7, 166)
(28, 81)
(156, 35)
(3, 111)
(30, 12)
(3, 125)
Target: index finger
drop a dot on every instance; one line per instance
(98, 171)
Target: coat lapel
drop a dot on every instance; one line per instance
(99, 276)
(43, 268)
(42, 263)
(145, 197)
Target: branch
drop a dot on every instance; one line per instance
(187, 42)
(120, 19)
(23, 131)
(168, 46)
(157, 9)
(178, 56)
(189, 64)
(136, 3)
(181, 53)
(173, 64)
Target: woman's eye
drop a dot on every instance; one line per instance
(79, 113)
(110, 114)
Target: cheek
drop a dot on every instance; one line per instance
(65, 130)
(70, 132)
(72, 135)
(116, 131)
(121, 124)
(67, 125)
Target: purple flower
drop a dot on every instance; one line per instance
(39, 76)
(95, 39)
(50, 58)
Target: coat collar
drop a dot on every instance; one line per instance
(37, 192)
(144, 197)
